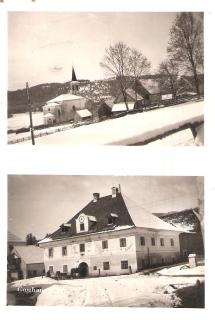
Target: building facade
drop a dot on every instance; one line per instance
(64, 107)
(111, 235)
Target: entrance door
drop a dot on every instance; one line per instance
(83, 269)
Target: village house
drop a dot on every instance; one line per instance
(111, 235)
(25, 262)
(65, 106)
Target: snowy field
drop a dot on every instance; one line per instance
(21, 120)
(132, 128)
(117, 291)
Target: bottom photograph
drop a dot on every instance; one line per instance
(106, 241)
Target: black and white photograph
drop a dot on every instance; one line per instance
(105, 241)
(106, 78)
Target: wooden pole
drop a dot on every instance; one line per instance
(30, 115)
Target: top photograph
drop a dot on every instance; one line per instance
(106, 78)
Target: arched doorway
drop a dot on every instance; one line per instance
(83, 269)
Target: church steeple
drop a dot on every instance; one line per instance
(74, 84)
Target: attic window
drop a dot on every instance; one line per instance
(112, 218)
(65, 227)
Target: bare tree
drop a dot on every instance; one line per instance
(186, 43)
(116, 63)
(138, 65)
(124, 63)
(169, 77)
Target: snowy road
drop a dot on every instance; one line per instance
(130, 129)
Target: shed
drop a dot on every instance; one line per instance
(82, 115)
(28, 260)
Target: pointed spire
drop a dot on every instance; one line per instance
(73, 74)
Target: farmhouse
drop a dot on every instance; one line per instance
(111, 235)
(63, 107)
(25, 262)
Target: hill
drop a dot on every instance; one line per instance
(185, 219)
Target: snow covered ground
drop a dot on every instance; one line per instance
(126, 290)
(132, 128)
(21, 120)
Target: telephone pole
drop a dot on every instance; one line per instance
(30, 114)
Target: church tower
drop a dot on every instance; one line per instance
(74, 84)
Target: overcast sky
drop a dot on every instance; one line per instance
(40, 204)
(44, 45)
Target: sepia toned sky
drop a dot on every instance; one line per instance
(42, 46)
(40, 204)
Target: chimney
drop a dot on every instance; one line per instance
(96, 197)
(114, 192)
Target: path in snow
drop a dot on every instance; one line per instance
(130, 129)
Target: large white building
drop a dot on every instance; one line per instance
(63, 107)
(111, 235)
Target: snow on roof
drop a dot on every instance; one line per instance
(29, 254)
(51, 104)
(92, 218)
(65, 97)
(84, 113)
(122, 107)
(48, 115)
(151, 85)
(142, 218)
(134, 95)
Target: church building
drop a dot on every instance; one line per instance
(63, 107)
(111, 235)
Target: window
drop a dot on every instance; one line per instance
(95, 268)
(65, 268)
(64, 251)
(106, 265)
(104, 244)
(124, 264)
(51, 251)
(162, 242)
(172, 242)
(153, 241)
(122, 242)
(142, 241)
(82, 247)
(51, 269)
(81, 226)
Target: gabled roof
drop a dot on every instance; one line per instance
(151, 85)
(65, 97)
(129, 214)
(134, 95)
(29, 254)
(84, 113)
(117, 107)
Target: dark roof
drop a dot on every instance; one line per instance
(130, 214)
(73, 75)
(101, 210)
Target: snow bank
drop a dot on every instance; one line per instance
(182, 271)
(130, 129)
(32, 281)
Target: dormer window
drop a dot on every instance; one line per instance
(85, 223)
(65, 227)
(112, 218)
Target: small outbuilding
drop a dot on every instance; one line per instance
(26, 261)
(83, 115)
